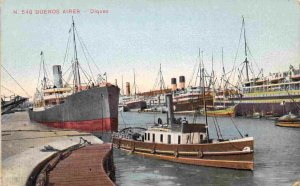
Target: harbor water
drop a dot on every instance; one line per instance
(276, 160)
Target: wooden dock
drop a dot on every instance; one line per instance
(89, 165)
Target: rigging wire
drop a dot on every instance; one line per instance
(252, 57)
(85, 74)
(70, 74)
(81, 43)
(46, 69)
(8, 89)
(219, 128)
(156, 81)
(15, 80)
(292, 98)
(67, 49)
(88, 52)
(237, 48)
(216, 127)
(159, 80)
(194, 70)
(67, 70)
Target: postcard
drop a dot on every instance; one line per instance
(150, 92)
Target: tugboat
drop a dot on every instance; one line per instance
(181, 142)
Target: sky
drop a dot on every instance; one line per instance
(140, 35)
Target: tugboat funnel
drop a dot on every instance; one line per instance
(169, 101)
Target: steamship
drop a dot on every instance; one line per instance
(273, 95)
(189, 99)
(91, 107)
(155, 98)
(130, 102)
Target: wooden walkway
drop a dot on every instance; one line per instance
(90, 165)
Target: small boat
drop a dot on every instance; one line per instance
(181, 142)
(289, 120)
(220, 111)
(256, 115)
(122, 108)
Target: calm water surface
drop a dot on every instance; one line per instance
(277, 156)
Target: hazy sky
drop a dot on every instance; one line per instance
(142, 34)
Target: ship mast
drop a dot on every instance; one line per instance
(134, 84)
(162, 83)
(44, 70)
(122, 86)
(199, 69)
(223, 78)
(246, 55)
(204, 102)
(159, 81)
(212, 78)
(160, 78)
(77, 81)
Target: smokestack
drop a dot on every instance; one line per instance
(169, 101)
(127, 89)
(181, 82)
(173, 84)
(57, 76)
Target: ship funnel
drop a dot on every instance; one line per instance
(127, 89)
(173, 84)
(181, 82)
(57, 76)
(169, 101)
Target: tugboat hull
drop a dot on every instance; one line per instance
(295, 124)
(234, 154)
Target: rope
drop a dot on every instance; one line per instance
(236, 127)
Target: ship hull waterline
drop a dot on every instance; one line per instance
(195, 154)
